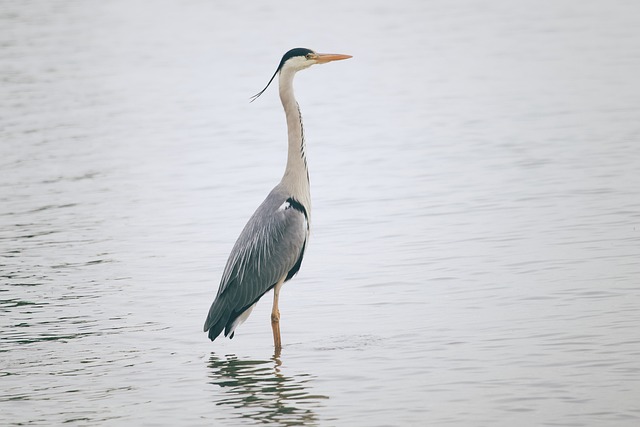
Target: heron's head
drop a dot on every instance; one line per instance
(298, 59)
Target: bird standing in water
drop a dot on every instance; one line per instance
(271, 246)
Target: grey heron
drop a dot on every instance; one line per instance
(270, 248)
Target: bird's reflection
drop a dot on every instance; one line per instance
(258, 390)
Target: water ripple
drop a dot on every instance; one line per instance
(260, 391)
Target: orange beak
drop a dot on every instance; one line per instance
(323, 58)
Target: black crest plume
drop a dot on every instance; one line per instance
(299, 51)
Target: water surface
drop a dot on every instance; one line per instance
(476, 213)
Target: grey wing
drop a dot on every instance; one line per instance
(269, 248)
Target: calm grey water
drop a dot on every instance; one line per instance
(475, 256)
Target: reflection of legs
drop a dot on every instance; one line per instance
(275, 317)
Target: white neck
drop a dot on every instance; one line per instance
(296, 175)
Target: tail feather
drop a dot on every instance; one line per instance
(221, 317)
(216, 320)
(215, 330)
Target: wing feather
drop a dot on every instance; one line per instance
(269, 247)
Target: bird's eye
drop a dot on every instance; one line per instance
(309, 55)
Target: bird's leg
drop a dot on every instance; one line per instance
(275, 318)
